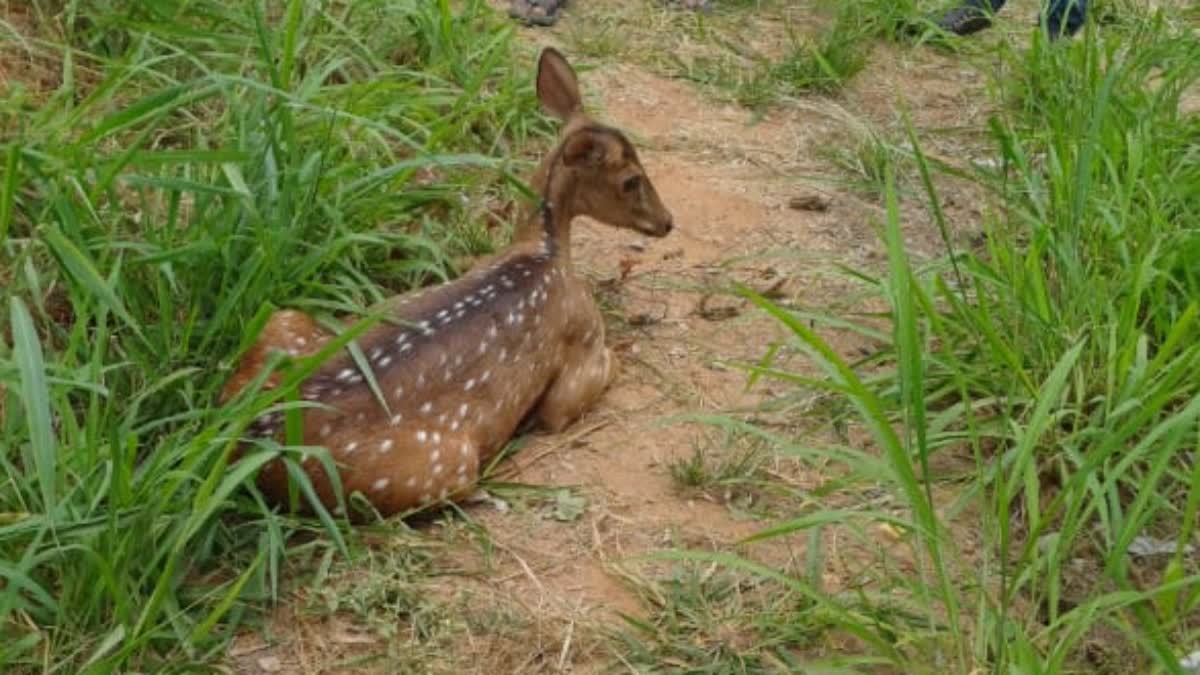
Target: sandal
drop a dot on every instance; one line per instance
(536, 12)
(968, 18)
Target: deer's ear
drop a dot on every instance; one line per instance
(585, 148)
(557, 87)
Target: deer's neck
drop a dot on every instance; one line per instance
(558, 188)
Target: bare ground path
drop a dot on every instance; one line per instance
(537, 580)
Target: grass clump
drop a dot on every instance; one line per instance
(729, 467)
(1045, 388)
(190, 167)
(713, 621)
(823, 64)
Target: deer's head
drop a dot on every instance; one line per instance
(618, 192)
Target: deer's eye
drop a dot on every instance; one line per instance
(631, 183)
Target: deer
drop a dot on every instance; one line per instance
(515, 343)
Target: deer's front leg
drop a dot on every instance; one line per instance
(579, 385)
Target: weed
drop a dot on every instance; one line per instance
(820, 65)
(732, 461)
(864, 152)
(825, 65)
(711, 621)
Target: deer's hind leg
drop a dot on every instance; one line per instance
(289, 331)
(578, 386)
(395, 468)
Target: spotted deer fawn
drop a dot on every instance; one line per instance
(463, 364)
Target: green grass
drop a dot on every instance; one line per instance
(835, 56)
(816, 62)
(1042, 392)
(864, 154)
(195, 165)
(708, 620)
(729, 466)
(726, 52)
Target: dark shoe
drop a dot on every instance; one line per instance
(1055, 30)
(965, 20)
(536, 12)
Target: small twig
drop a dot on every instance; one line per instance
(528, 572)
(716, 313)
(566, 648)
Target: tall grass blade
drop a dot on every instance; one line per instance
(35, 401)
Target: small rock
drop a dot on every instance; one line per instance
(270, 664)
(1191, 663)
(638, 246)
(481, 496)
(811, 202)
(889, 531)
(1143, 546)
